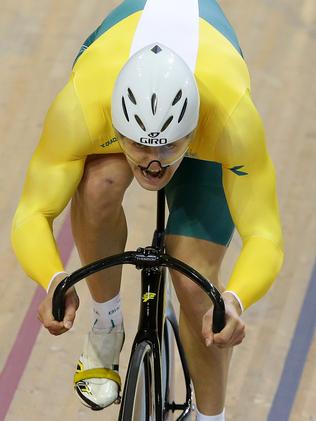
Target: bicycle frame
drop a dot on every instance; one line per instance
(152, 261)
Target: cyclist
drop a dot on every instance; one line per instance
(159, 92)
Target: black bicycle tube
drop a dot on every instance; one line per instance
(161, 210)
(149, 306)
(157, 372)
(165, 353)
(148, 330)
(166, 348)
(151, 325)
(158, 241)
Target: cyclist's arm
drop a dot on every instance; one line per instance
(249, 184)
(52, 177)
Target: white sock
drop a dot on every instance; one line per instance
(201, 417)
(107, 315)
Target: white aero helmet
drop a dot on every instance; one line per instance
(155, 99)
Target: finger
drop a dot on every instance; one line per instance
(207, 332)
(57, 332)
(54, 325)
(230, 344)
(44, 313)
(71, 305)
(233, 336)
(225, 336)
(55, 328)
(238, 336)
(239, 332)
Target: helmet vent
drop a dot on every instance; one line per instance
(156, 49)
(140, 123)
(183, 110)
(124, 109)
(167, 123)
(154, 102)
(177, 97)
(131, 96)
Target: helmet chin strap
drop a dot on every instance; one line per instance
(152, 162)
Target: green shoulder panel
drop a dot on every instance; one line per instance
(127, 8)
(209, 11)
(213, 14)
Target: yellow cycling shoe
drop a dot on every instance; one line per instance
(96, 380)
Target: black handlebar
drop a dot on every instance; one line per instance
(148, 257)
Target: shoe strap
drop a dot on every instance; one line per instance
(98, 373)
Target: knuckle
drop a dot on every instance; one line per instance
(55, 331)
(220, 340)
(243, 331)
(70, 310)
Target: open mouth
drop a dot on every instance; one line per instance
(153, 174)
(153, 170)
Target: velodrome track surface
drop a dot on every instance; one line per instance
(273, 375)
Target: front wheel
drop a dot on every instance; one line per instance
(138, 402)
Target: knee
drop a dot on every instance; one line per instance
(193, 301)
(103, 185)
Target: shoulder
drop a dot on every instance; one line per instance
(243, 136)
(65, 132)
(213, 15)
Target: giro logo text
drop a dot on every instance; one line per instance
(150, 141)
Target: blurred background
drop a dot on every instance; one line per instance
(273, 374)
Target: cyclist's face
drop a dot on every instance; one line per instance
(154, 166)
(154, 177)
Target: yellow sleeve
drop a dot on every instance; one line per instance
(52, 177)
(249, 184)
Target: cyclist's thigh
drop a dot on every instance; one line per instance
(197, 203)
(199, 227)
(109, 174)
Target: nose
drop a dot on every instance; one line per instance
(151, 154)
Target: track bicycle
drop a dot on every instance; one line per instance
(147, 395)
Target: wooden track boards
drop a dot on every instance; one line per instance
(38, 43)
